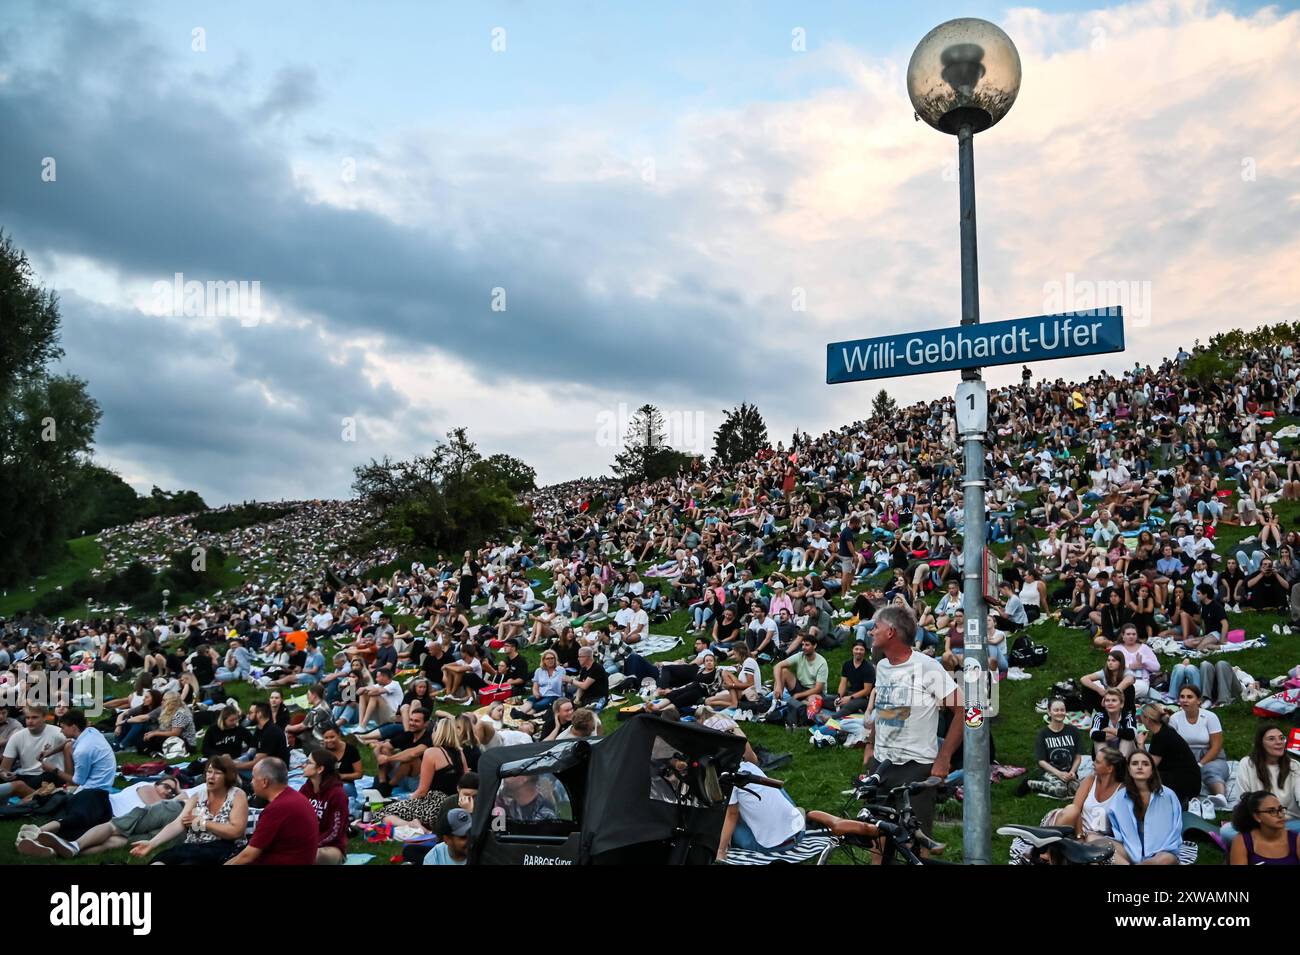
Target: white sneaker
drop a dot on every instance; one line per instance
(1277, 628)
(1286, 629)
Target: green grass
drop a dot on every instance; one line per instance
(84, 554)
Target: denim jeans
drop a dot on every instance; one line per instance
(230, 676)
(1182, 675)
(1213, 508)
(702, 615)
(863, 630)
(1250, 565)
(133, 736)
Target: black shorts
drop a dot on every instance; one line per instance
(900, 774)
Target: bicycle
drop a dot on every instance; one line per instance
(888, 829)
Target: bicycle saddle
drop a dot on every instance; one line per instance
(1038, 836)
(1085, 853)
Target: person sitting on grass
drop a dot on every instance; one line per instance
(1146, 818)
(548, 685)
(268, 740)
(398, 759)
(34, 756)
(215, 815)
(175, 721)
(744, 683)
(454, 847)
(324, 790)
(1268, 768)
(803, 675)
(378, 704)
(1058, 748)
(1260, 820)
(287, 831)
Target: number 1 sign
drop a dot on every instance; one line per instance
(972, 407)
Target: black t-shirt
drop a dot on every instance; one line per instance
(407, 739)
(847, 539)
(203, 669)
(858, 676)
(351, 759)
(1212, 616)
(223, 742)
(600, 682)
(517, 669)
(727, 631)
(1178, 767)
(1058, 749)
(1267, 592)
(432, 666)
(270, 741)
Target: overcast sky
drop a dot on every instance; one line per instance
(673, 205)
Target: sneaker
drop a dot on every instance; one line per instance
(30, 847)
(1041, 705)
(1286, 630)
(1277, 628)
(28, 831)
(61, 846)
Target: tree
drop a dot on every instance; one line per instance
(519, 477)
(47, 424)
(742, 434)
(646, 455)
(449, 499)
(883, 407)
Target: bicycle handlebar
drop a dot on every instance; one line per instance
(748, 779)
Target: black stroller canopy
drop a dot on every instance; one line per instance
(609, 784)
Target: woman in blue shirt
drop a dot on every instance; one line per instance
(548, 685)
(1146, 817)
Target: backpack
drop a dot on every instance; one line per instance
(1025, 653)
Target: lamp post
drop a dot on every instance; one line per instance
(165, 595)
(962, 78)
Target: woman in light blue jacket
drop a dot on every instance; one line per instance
(1146, 817)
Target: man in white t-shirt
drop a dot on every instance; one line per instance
(380, 702)
(33, 756)
(759, 818)
(911, 690)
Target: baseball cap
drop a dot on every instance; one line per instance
(457, 822)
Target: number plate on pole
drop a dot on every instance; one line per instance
(972, 407)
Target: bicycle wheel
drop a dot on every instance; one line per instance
(844, 852)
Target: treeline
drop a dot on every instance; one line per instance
(50, 489)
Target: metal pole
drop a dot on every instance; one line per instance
(976, 815)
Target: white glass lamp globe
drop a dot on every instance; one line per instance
(965, 72)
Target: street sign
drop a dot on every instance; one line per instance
(972, 407)
(1040, 338)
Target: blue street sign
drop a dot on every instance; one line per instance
(1011, 342)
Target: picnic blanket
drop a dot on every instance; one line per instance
(656, 643)
(1174, 648)
(811, 846)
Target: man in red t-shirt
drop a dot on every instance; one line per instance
(287, 830)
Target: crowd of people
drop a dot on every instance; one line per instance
(1110, 496)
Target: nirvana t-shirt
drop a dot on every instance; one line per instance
(1057, 749)
(909, 696)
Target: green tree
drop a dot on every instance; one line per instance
(646, 455)
(518, 476)
(742, 434)
(883, 407)
(449, 499)
(106, 500)
(47, 424)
